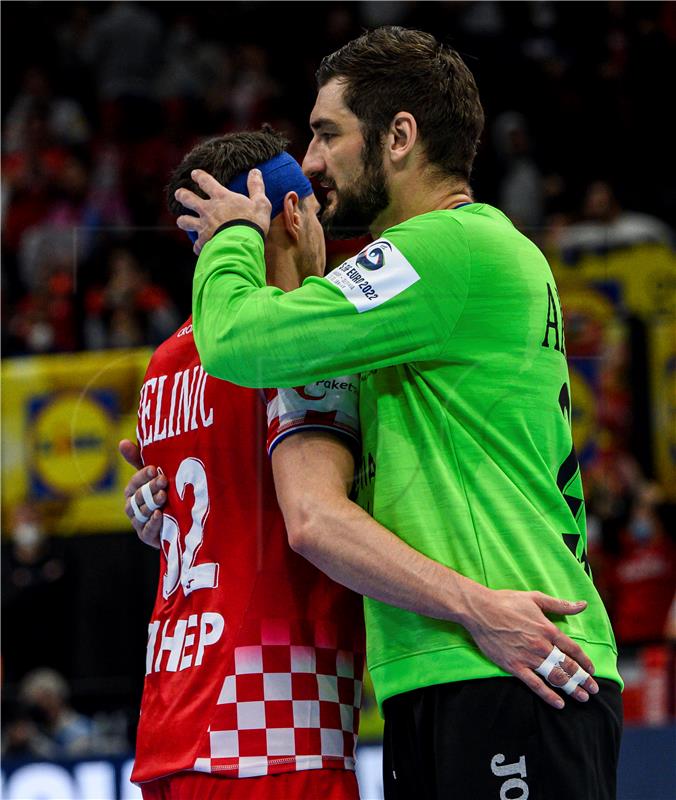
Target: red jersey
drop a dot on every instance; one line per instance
(643, 589)
(255, 657)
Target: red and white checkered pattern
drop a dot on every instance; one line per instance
(287, 705)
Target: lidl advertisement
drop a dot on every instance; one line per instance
(62, 417)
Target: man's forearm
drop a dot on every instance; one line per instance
(346, 543)
(313, 472)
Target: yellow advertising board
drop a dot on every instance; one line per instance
(646, 275)
(662, 357)
(62, 417)
(603, 289)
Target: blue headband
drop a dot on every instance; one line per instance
(281, 175)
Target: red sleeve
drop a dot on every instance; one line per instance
(331, 405)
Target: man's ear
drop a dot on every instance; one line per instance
(291, 215)
(401, 137)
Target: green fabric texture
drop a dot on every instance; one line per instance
(464, 408)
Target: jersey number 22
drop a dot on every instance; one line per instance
(181, 566)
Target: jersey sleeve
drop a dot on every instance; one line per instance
(330, 405)
(396, 301)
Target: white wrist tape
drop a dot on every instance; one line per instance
(148, 497)
(553, 660)
(137, 511)
(579, 677)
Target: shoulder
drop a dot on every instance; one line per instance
(452, 229)
(433, 222)
(429, 239)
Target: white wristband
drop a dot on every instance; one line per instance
(148, 497)
(137, 511)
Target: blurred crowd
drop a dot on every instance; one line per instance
(109, 96)
(104, 99)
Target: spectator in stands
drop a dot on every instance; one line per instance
(33, 588)
(607, 226)
(44, 319)
(45, 693)
(521, 192)
(66, 122)
(129, 310)
(253, 87)
(180, 75)
(64, 235)
(72, 36)
(125, 48)
(22, 739)
(28, 176)
(645, 572)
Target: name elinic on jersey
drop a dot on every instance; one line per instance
(170, 407)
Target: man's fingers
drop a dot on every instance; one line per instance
(566, 674)
(580, 694)
(159, 497)
(150, 532)
(585, 687)
(186, 222)
(540, 688)
(158, 480)
(255, 184)
(138, 479)
(554, 605)
(207, 183)
(130, 453)
(560, 678)
(155, 489)
(572, 649)
(256, 187)
(569, 678)
(190, 200)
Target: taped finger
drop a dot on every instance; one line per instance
(137, 511)
(148, 497)
(579, 677)
(553, 660)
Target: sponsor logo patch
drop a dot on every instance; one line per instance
(376, 274)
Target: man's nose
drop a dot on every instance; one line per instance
(313, 164)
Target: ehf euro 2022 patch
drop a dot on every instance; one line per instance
(376, 274)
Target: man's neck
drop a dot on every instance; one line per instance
(411, 197)
(282, 272)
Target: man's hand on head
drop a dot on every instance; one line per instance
(221, 206)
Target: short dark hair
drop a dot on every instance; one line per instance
(224, 157)
(392, 69)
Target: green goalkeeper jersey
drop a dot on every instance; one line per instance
(454, 322)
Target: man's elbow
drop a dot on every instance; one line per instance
(216, 362)
(227, 363)
(303, 528)
(214, 365)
